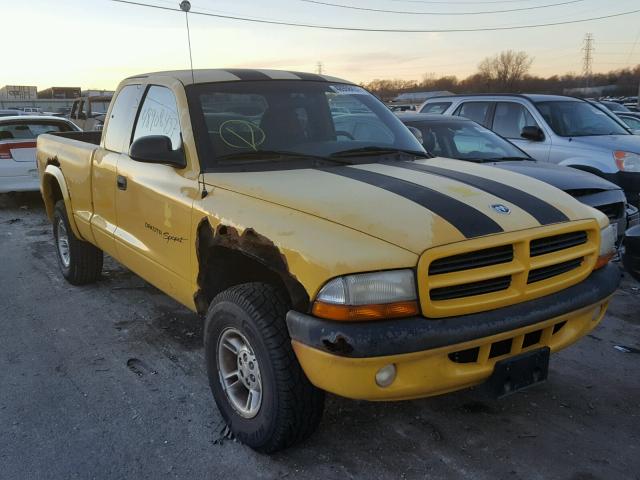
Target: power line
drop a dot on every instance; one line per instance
(382, 30)
(633, 47)
(404, 12)
(461, 3)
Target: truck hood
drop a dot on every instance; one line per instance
(564, 178)
(627, 143)
(413, 205)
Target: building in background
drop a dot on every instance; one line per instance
(97, 93)
(65, 93)
(18, 93)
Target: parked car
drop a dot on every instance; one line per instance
(632, 121)
(10, 113)
(464, 139)
(631, 256)
(18, 134)
(31, 111)
(325, 257)
(557, 129)
(89, 112)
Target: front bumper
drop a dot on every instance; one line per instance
(438, 356)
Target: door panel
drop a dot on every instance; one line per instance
(154, 204)
(154, 224)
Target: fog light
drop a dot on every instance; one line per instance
(386, 375)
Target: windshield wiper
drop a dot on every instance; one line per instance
(370, 151)
(506, 159)
(269, 155)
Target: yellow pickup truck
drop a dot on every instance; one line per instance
(324, 247)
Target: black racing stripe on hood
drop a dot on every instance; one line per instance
(542, 211)
(248, 74)
(309, 76)
(469, 221)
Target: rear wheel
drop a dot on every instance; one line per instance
(80, 262)
(256, 380)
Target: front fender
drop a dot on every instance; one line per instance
(597, 166)
(52, 176)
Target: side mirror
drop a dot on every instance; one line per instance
(157, 149)
(532, 133)
(82, 116)
(416, 133)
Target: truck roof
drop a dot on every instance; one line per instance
(237, 74)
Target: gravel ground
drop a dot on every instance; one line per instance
(108, 381)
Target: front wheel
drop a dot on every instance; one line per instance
(256, 380)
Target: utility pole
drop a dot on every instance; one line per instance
(587, 59)
(319, 66)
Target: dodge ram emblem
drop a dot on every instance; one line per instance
(501, 209)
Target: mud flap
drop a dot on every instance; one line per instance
(519, 372)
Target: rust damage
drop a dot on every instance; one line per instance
(337, 343)
(227, 258)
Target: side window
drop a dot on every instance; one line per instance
(476, 111)
(437, 107)
(159, 116)
(118, 131)
(510, 118)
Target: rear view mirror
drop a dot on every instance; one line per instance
(532, 133)
(416, 133)
(157, 149)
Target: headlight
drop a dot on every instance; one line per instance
(608, 237)
(368, 296)
(627, 161)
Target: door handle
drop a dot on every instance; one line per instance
(122, 182)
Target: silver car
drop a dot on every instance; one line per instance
(563, 130)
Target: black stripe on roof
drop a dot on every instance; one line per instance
(248, 74)
(309, 76)
(542, 211)
(469, 221)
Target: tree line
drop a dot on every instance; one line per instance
(508, 72)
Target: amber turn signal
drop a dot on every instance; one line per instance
(603, 261)
(356, 313)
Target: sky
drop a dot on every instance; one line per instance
(97, 43)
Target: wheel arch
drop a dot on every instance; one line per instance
(54, 188)
(227, 258)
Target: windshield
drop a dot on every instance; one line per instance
(465, 141)
(266, 121)
(578, 119)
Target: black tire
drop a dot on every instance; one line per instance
(291, 407)
(84, 261)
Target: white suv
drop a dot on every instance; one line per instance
(552, 128)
